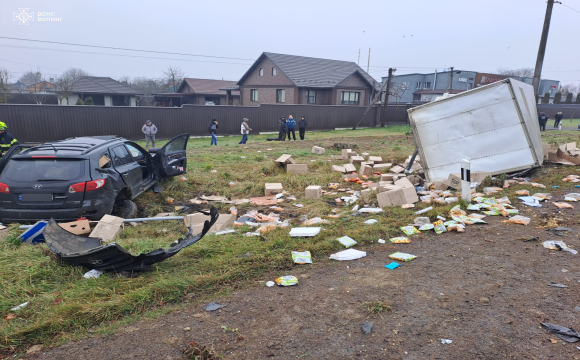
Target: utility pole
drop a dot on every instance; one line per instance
(369, 62)
(389, 78)
(358, 62)
(542, 49)
(450, 86)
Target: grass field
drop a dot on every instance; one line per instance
(63, 305)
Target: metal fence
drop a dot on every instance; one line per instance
(56, 122)
(569, 111)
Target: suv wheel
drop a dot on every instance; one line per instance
(126, 209)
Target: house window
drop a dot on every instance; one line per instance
(280, 95)
(261, 72)
(418, 85)
(427, 85)
(311, 97)
(406, 84)
(350, 98)
(273, 71)
(253, 95)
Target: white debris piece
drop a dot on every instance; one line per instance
(349, 254)
(305, 231)
(93, 274)
(19, 307)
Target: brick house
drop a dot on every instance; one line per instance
(201, 92)
(290, 79)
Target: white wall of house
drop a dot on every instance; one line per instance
(108, 100)
(133, 101)
(72, 100)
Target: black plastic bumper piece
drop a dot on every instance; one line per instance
(92, 254)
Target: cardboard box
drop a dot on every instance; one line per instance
(301, 169)
(197, 220)
(454, 180)
(313, 192)
(440, 185)
(368, 195)
(285, 159)
(317, 150)
(356, 159)
(80, 227)
(391, 177)
(338, 168)
(346, 154)
(273, 189)
(350, 176)
(397, 169)
(367, 163)
(376, 159)
(374, 187)
(391, 198)
(365, 170)
(569, 153)
(383, 186)
(349, 167)
(108, 228)
(382, 168)
(408, 190)
(365, 155)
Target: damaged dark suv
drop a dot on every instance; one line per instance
(83, 177)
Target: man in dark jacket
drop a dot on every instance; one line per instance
(6, 139)
(302, 124)
(282, 129)
(557, 118)
(291, 125)
(542, 119)
(212, 127)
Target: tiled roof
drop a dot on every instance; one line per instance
(314, 72)
(207, 86)
(102, 85)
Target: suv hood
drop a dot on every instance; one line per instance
(92, 254)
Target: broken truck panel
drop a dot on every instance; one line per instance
(495, 127)
(92, 254)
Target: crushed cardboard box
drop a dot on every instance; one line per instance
(339, 168)
(317, 150)
(397, 169)
(376, 159)
(301, 169)
(454, 180)
(356, 159)
(382, 168)
(197, 220)
(108, 228)
(366, 170)
(349, 167)
(566, 154)
(80, 227)
(264, 200)
(284, 160)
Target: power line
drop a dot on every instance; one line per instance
(124, 49)
(122, 55)
(17, 62)
(570, 8)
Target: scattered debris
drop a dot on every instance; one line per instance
(367, 327)
(558, 245)
(270, 283)
(287, 280)
(213, 306)
(302, 257)
(381, 241)
(402, 256)
(392, 266)
(567, 334)
(92, 274)
(349, 254)
(304, 231)
(562, 205)
(446, 341)
(558, 285)
(518, 219)
(347, 241)
(400, 240)
(19, 307)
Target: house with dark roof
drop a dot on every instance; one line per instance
(103, 90)
(201, 92)
(289, 79)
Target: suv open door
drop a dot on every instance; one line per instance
(171, 159)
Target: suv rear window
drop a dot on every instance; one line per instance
(43, 169)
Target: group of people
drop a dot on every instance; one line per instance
(288, 127)
(285, 127)
(543, 120)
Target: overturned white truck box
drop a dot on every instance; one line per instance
(495, 127)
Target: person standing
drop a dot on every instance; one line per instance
(6, 139)
(542, 119)
(213, 126)
(149, 129)
(282, 129)
(557, 118)
(291, 125)
(245, 129)
(302, 124)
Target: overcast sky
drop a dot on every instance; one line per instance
(412, 35)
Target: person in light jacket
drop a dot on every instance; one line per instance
(302, 124)
(291, 125)
(282, 129)
(245, 130)
(149, 129)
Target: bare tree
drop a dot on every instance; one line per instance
(36, 93)
(521, 72)
(31, 77)
(568, 88)
(5, 76)
(124, 80)
(174, 76)
(148, 86)
(65, 83)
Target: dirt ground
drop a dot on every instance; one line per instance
(486, 290)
